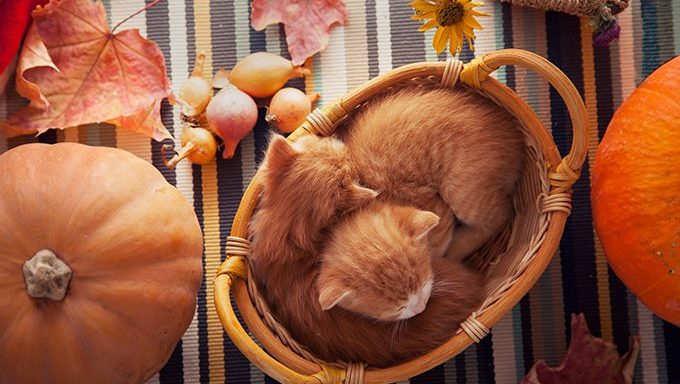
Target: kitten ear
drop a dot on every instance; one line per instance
(281, 153)
(330, 296)
(360, 196)
(423, 223)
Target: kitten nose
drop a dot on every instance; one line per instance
(420, 304)
(417, 304)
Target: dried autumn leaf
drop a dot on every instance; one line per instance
(306, 22)
(589, 360)
(32, 56)
(95, 76)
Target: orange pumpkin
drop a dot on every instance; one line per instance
(636, 192)
(100, 264)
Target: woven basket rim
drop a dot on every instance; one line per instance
(561, 172)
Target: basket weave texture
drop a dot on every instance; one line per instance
(605, 9)
(542, 202)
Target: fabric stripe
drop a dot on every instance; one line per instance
(576, 247)
(544, 313)
(597, 108)
(644, 322)
(252, 144)
(664, 22)
(372, 38)
(356, 59)
(407, 46)
(672, 337)
(215, 341)
(660, 342)
(650, 42)
(485, 362)
(504, 350)
(675, 11)
(383, 28)
(201, 310)
(184, 179)
(628, 65)
(486, 39)
(331, 71)
(508, 72)
(158, 29)
(229, 181)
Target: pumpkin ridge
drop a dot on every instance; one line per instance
(14, 318)
(109, 309)
(131, 206)
(143, 333)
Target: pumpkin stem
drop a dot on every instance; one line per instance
(46, 276)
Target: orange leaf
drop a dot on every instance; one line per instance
(76, 71)
(306, 22)
(33, 55)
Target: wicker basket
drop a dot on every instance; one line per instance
(542, 203)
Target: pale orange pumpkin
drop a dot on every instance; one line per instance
(636, 192)
(133, 246)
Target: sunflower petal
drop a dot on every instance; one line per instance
(425, 6)
(424, 16)
(476, 13)
(470, 21)
(469, 41)
(427, 26)
(440, 39)
(453, 44)
(459, 32)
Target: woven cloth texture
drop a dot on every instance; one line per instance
(379, 37)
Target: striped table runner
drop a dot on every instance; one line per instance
(379, 37)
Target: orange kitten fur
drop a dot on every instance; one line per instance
(391, 237)
(286, 263)
(417, 143)
(441, 235)
(306, 187)
(313, 171)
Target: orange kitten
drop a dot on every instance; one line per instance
(305, 191)
(392, 238)
(419, 143)
(306, 187)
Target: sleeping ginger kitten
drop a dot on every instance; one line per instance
(306, 190)
(417, 144)
(306, 187)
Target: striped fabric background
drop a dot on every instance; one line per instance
(380, 36)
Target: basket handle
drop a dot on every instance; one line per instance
(231, 272)
(476, 71)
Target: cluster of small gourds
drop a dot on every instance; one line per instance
(231, 113)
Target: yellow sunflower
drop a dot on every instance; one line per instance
(453, 19)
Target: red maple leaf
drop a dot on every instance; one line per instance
(75, 70)
(589, 360)
(306, 22)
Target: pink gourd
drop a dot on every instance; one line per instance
(231, 114)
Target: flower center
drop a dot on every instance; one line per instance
(450, 13)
